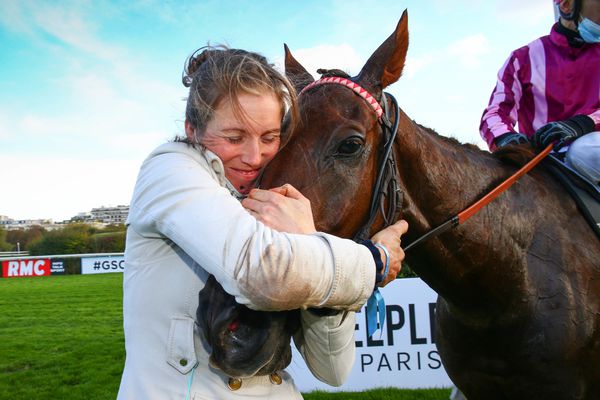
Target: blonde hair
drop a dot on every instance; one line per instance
(215, 73)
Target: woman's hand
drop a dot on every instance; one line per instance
(283, 208)
(390, 238)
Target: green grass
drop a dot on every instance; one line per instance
(61, 337)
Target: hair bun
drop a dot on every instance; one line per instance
(193, 63)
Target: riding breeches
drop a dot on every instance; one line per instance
(584, 156)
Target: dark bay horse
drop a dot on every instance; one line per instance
(244, 342)
(518, 313)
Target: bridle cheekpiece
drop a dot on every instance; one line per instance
(386, 183)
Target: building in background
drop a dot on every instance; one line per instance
(98, 217)
(104, 215)
(9, 223)
(110, 215)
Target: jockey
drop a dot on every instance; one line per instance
(551, 88)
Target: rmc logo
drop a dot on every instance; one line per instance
(22, 268)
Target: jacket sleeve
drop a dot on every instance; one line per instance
(595, 116)
(500, 116)
(327, 345)
(177, 199)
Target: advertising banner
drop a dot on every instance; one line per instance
(102, 265)
(57, 266)
(25, 268)
(403, 355)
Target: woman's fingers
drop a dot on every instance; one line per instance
(402, 227)
(282, 190)
(292, 192)
(264, 195)
(390, 237)
(283, 208)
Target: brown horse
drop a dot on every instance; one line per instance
(518, 313)
(244, 342)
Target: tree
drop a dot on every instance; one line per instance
(4, 246)
(24, 236)
(72, 239)
(79, 238)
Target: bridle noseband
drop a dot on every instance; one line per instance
(386, 183)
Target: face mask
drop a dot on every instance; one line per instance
(589, 31)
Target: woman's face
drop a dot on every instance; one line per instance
(245, 143)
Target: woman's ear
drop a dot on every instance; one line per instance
(190, 131)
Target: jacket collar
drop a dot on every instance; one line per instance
(564, 37)
(217, 165)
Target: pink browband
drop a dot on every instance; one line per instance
(349, 84)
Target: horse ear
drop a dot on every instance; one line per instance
(385, 65)
(295, 72)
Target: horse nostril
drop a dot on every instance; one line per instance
(233, 325)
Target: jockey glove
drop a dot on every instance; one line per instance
(510, 138)
(562, 132)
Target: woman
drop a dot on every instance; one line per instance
(186, 222)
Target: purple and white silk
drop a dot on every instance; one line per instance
(544, 81)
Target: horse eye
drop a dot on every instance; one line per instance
(350, 146)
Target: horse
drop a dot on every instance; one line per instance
(244, 342)
(518, 309)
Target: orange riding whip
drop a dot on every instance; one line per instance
(467, 213)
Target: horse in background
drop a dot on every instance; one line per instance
(518, 312)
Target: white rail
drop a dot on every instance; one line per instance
(2, 257)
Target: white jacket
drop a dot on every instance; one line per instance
(184, 224)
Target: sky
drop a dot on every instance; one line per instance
(89, 88)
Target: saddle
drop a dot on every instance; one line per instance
(585, 193)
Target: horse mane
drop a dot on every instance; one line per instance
(517, 155)
(450, 140)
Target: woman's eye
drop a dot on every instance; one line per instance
(350, 146)
(234, 139)
(270, 138)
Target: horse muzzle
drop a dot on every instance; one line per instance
(244, 342)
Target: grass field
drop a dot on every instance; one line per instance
(61, 337)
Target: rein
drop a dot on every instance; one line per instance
(467, 213)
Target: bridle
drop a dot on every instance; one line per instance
(386, 184)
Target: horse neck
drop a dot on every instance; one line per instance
(440, 177)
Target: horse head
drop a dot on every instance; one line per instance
(244, 342)
(334, 147)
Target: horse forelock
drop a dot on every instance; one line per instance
(333, 73)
